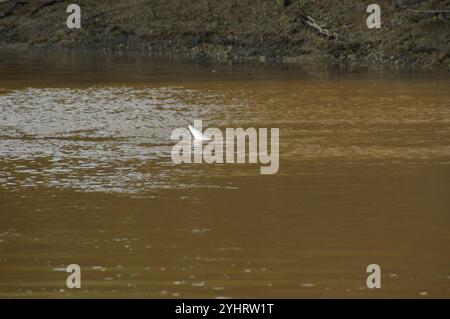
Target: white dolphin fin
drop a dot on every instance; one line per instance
(198, 136)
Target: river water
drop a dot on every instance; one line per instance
(86, 178)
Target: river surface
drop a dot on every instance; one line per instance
(86, 177)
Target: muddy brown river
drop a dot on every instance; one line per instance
(86, 177)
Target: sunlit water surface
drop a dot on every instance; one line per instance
(86, 178)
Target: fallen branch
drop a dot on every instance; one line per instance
(311, 22)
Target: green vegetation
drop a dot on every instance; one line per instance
(285, 3)
(301, 4)
(282, 3)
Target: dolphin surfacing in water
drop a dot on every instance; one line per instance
(198, 136)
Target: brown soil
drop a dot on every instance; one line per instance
(237, 30)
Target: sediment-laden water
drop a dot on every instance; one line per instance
(86, 178)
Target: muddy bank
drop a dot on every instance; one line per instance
(414, 34)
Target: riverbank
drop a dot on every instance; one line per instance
(236, 31)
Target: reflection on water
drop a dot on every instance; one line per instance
(86, 177)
